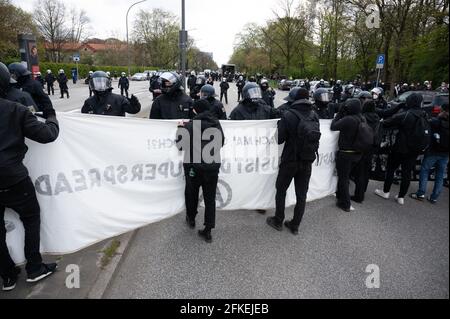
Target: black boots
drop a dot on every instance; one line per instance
(206, 235)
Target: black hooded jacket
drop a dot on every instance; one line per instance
(110, 104)
(194, 150)
(34, 88)
(347, 123)
(21, 97)
(16, 124)
(217, 109)
(253, 110)
(405, 122)
(287, 129)
(176, 106)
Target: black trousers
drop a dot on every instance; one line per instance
(207, 180)
(122, 89)
(361, 174)
(64, 90)
(345, 164)
(239, 95)
(407, 162)
(50, 89)
(22, 199)
(300, 172)
(222, 95)
(90, 92)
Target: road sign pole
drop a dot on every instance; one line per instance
(378, 77)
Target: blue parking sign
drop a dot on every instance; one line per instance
(381, 61)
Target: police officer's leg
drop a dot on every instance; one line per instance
(22, 199)
(226, 97)
(191, 194)
(126, 92)
(53, 89)
(301, 180)
(285, 176)
(48, 89)
(209, 187)
(6, 263)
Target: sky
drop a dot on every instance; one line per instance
(213, 24)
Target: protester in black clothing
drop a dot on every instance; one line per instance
(291, 98)
(297, 158)
(240, 86)
(15, 95)
(200, 171)
(347, 122)
(50, 80)
(404, 152)
(268, 94)
(364, 167)
(16, 188)
(24, 82)
(224, 87)
(173, 104)
(155, 87)
(215, 107)
(104, 102)
(124, 84)
(62, 80)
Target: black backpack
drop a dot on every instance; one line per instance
(308, 136)
(365, 137)
(419, 138)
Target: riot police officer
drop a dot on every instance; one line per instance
(104, 102)
(173, 104)
(322, 99)
(124, 84)
(252, 106)
(240, 86)
(216, 107)
(199, 83)
(50, 80)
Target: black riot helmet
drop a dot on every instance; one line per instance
(207, 91)
(5, 79)
(170, 82)
(350, 89)
(364, 96)
(100, 82)
(264, 84)
(323, 96)
(251, 92)
(18, 70)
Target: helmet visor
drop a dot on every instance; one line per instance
(325, 97)
(169, 77)
(254, 93)
(100, 84)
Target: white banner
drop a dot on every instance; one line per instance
(106, 176)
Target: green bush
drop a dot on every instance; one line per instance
(84, 69)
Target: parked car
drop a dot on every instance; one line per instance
(314, 86)
(139, 77)
(432, 101)
(285, 85)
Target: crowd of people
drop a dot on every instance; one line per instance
(361, 117)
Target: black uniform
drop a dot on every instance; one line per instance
(34, 88)
(268, 96)
(124, 85)
(40, 80)
(249, 110)
(337, 92)
(175, 106)
(21, 97)
(217, 108)
(201, 174)
(224, 87)
(192, 81)
(16, 188)
(111, 104)
(240, 85)
(62, 80)
(50, 80)
(293, 167)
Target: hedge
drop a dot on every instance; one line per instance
(84, 69)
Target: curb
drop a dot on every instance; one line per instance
(104, 278)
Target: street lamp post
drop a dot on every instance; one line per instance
(128, 42)
(183, 43)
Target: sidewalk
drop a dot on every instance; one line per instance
(97, 265)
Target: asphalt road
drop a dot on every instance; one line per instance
(247, 259)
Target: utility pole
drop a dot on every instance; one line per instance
(183, 43)
(128, 42)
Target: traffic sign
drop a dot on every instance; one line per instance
(76, 57)
(381, 60)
